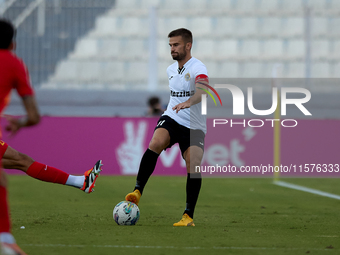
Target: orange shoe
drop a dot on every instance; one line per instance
(91, 177)
(133, 196)
(186, 221)
(11, 249)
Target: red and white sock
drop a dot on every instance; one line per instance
(47, 173)
(50, 174)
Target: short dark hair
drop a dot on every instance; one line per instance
(7, 33)
(153, 101)
(185, 33)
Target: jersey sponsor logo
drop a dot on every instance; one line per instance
(170, 78)
(182, 93)
(2, 143)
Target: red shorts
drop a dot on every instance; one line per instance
(3, 148)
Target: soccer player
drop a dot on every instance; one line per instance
(13, 74)
(181, 123)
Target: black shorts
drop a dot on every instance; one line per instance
(182, 135)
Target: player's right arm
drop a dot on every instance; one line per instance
(32, 116)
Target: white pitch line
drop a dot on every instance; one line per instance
(309, 190)
(168, 247)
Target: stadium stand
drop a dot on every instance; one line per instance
(235, 38)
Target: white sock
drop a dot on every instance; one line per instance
(6, 237)
(75, 181)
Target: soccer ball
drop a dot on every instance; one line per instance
(126, 213)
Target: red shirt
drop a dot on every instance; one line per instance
(13, 75)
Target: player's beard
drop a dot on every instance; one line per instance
(179, 56)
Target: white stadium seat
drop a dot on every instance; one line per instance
(295, 70)
(246, 26)
(335, 26)
(85, 48)
(112, 71)
(226, 49)
(224, 26)
(66, 71)
(268, 4)
(270, 26)
(251, 69)
(105, 26)
(320, 70)
(272, 48)
(200, 26)
(204, 48)
(229, 69)
(319, 26)
(219, 5)
(336, 48)
(291, 4)
(109, 48)
(250, 48)
(320, 49)
(292, 26)
(295, 48)
(88, 71)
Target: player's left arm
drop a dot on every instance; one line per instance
(200, 82)
(25, 91)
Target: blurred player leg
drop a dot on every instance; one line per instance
(13, 159)
(8, 245)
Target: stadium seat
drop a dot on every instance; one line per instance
(65, 71)
(134, 48)
(225, 49)
(295, 48)
(136, 71)
(295, 70)
(335, 5)
(319, 26)
(336, 48)
(109, 48)
(105, 26)
(249, 48)
(318, 4)
(149, 3)
(246, 26)
(291, 5)
(335, 26)
(204, 48)
(272, 48)
(163, 49)
(85, 48)
(229, 69)
(112, 72)
(268, 5)
(245, 5)
(292, 26)
(169, 24)
(320, 49)
(251, 69)
(124, 4)
(219, 5)
(270, 26)
(223, 26)
(200, 26)
(320, 70)
(88, 71)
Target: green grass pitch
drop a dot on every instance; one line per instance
(233, 216)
